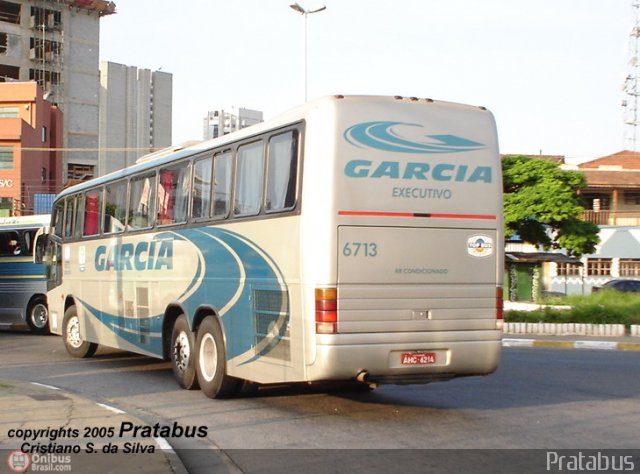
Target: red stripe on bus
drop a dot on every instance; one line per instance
(416, 214)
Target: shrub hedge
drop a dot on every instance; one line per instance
(602, 307)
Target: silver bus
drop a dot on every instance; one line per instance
(354, 238)
(22, 281)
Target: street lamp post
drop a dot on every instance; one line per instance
(303, 11)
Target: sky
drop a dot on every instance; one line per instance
(551, 71)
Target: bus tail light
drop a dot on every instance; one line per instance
(499, 308)
(326, 310)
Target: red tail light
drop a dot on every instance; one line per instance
(326, 310)
(499, 308)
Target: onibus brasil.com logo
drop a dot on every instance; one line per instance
(385, 135)
(19, 461)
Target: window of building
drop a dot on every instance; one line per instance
(282, 172)
(630, 267)
(599, 266)
(8, 112)
(115, 207)
(141, 201)
(249, 172)
(632, 199)
(10, 12)
(222, 164)
(568, 269)
(596, 201)
(45, 18)
(4, 40)
(6, 206)
(201, 198)
(8, 73)
(6, 157)
(45, 79)
(79, 172)
(173, 194)
(92, 212)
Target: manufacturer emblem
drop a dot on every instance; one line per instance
(480, 246)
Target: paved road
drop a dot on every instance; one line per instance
(539, 398)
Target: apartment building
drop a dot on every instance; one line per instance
(30, 136)
(56, 44)
(221, 122)
(135, 114)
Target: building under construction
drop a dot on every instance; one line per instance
(56, 43)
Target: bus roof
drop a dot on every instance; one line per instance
(25, 221)
(175, 152)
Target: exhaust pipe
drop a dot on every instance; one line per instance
(362, 376)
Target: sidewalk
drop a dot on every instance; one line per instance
(622, 343)
(69, 433)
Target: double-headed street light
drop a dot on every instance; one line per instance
(303, 11)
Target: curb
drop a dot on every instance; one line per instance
(563, 344)
(571, 329)
(48, 408)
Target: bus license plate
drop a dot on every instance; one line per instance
(417, 358)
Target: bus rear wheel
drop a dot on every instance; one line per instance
(72, 338)
(183, 354)
(211, 364)
(38, 316)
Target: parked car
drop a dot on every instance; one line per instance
(628, 286)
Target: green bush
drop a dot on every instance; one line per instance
(602, 307)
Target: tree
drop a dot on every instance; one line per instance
(542, 206)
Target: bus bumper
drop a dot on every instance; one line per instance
(351, 356)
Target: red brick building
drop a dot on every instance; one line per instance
(30, 147)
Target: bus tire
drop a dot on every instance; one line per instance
(72, 338)
(38, 315)
(183, 354)
(212, 362)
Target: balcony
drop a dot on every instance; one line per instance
(622, 218)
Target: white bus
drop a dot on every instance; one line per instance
(353, 238)
(23, 285)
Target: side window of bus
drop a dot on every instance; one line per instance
(201, 198)
(27, 241)
(9, 244)
(222, 164)
(77, 232)
(92, 211)
(249, 172)
(141, 199)
(173, 194)
(58, 217)
(70, 216)
(115, 207)
(282, 170)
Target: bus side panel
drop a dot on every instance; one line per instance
(263, 325)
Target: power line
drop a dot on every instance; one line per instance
(109, 150)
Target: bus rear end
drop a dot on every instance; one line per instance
(407, 286)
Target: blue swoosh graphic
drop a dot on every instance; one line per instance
(381, 136)
(216, 284)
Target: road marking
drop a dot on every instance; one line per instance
(110, 408)
(599, 345)
(164, 445)
(45, 386)
(517, 342)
